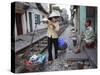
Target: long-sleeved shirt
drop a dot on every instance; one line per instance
(89, 35)
(52, 32)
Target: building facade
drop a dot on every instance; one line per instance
(79, 15)
(28, 17)
(64, 16)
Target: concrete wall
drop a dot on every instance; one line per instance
(82, 18)
(24, 24)
(35, 11)
(92, 15)
(78, 20)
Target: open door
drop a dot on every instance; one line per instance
(19, 24)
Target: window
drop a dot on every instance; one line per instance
(30, 21)
(37, 19)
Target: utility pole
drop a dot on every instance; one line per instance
(50, 6)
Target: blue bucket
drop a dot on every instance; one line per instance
(60, 41)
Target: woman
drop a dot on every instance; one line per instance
(53, 28)
(89, 36)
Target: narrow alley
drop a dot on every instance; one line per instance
(67, 59)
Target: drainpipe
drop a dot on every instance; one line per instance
(50, 6)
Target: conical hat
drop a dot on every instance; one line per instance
(54, 14)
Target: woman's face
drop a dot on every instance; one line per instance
(54, 19)
(87, 24)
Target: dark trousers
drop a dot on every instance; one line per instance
(74, 43)
(50, 42)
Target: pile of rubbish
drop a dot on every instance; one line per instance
(38, 59)
(30, 62)
(35, 62)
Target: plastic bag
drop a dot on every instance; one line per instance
(33, 58)
(42, 58)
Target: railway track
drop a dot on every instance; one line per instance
(35, 48)
(25, 54)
